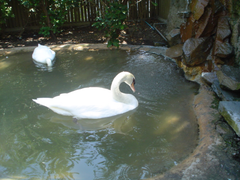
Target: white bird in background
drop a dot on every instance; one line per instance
(43, 54)
(94, 102)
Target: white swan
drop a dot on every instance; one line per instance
(94, 102)
(43, 54)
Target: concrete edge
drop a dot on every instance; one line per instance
(86, 47)
(203, 157)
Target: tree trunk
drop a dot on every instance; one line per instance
(45, 7)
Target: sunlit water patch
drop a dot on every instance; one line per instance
(39, 144)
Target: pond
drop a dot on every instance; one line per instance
(37, 143)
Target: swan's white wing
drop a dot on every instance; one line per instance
(41, 53)
(91, 103)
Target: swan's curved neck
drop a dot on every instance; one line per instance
(116, 93)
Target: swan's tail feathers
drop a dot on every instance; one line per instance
(49, 62)
(43, 101)
(49, 103)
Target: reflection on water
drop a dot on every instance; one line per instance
(121, 123)
(39, 144)
(44, 67)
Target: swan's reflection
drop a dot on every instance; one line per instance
(43, 67)
(122, 123)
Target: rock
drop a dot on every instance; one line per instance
(230, 110)
(174, 37)
(219, 8)
(175, 51)
(209, 77)
(184, 14)
(196, 50)
(218, 60)
(197, 7)
(229, 77)
(191, 73)
(223, 49)
(158, 43)
(223, 29)
(235, 24)
(203, 22)
(224, 94)
(187, 30)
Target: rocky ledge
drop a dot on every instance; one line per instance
(226, 84)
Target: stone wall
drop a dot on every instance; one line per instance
(207, 47)
(175, 16)
(178, 15)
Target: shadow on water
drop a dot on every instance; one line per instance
(37, 143)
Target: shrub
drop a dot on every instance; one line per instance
(112, 22)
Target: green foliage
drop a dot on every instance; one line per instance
(45, 31)
(215, 103)
(112, 21)
(236, 7)
(52, 12)
(155, 4)
(5, 11)
(56, 13)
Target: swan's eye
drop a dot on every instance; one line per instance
(134, 81)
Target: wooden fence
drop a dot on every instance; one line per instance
(79, 15)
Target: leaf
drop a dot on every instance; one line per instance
(109, 44)
(122, 27)
(116, 43)
(155, 4)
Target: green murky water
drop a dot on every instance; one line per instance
(36, 143)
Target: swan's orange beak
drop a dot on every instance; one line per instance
(132, 85)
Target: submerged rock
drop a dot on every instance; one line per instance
(230, 110)
(196, 50)
(175, 52)
(229, 77)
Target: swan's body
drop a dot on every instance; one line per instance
(43, 54)
(94, 102)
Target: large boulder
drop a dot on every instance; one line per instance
(229, 77)
(196, 50)
(230, 110)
